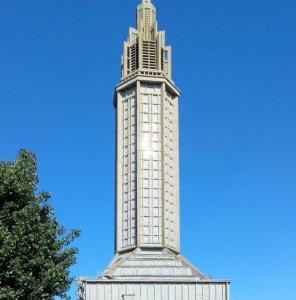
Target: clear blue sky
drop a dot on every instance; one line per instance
(235, 64)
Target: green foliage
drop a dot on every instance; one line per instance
(34, 253)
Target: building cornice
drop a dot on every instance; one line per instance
(144, 76)
(156, 280)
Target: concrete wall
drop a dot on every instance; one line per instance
(156, 291)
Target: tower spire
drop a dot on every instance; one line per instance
(145, 48)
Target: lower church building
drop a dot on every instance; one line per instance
(148, 264)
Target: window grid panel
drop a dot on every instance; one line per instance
(128, 168)
(150, 155)
(169, 174)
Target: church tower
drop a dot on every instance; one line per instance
(147, 264)
(147, 176)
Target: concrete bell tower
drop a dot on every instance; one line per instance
(147, 264)
(147, 166)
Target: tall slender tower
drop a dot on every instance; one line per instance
(147, 177)
(147, 264)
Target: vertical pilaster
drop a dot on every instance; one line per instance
(140, 53)
(119, 172)
(125, 59)
(169, 58)
(176, 171)
(138, 167)
(162, 165)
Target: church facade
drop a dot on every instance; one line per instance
(147, 264)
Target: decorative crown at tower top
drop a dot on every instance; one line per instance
(146, 20)
(145, 50)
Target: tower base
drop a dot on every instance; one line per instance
(151, 274)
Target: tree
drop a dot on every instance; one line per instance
(35, 257)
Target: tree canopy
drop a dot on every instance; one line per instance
(35, 256)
